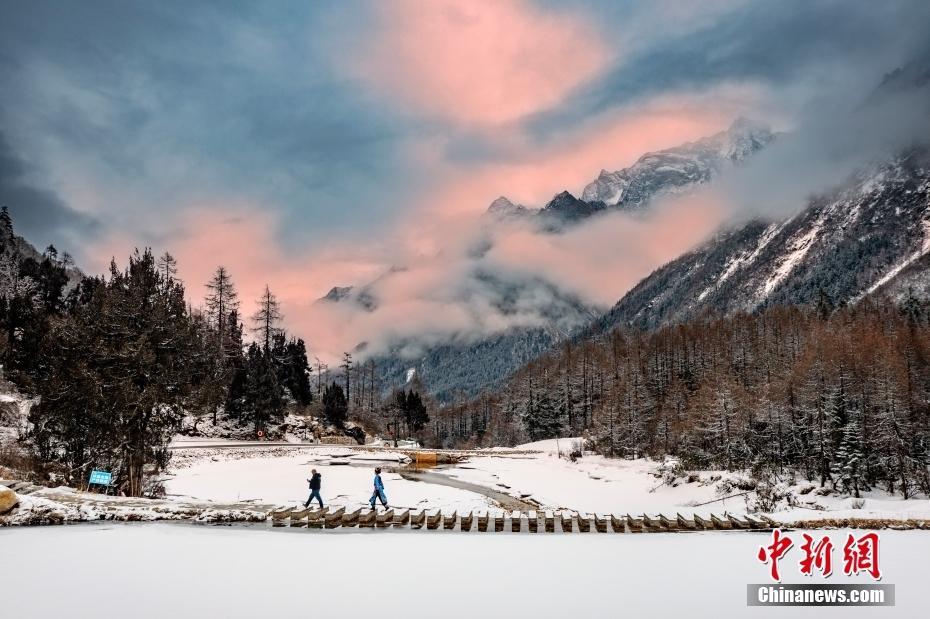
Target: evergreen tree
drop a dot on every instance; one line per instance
(117, 374)
(295, 371)
(6, 229)
(167, 268)
(264, 399)
(266, 318)
(347, 369)
(542, 419)
(849, 457)
(415, 414)
(221, 301)
(335, 408)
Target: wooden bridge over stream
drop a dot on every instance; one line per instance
(515, 522)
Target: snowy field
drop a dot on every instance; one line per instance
(593, 484)
(281, 479)
(196, 571)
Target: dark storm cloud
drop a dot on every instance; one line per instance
(164, 104)
(794, 48)
(38, 214)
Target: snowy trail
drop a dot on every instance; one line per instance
(503, 500)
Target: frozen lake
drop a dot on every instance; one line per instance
(162, 570)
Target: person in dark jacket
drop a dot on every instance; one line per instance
(379, 491)
(315, 481)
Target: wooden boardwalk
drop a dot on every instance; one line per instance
(515, 522)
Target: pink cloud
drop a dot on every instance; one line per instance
(479, 63)
(243, 239)
(435, 296)
(533, 173)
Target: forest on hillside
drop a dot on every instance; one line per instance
(121, 362)
(838, 395)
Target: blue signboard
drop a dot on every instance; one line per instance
(101, 478)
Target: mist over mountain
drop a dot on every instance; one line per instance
(520, 310)
(872, 235)
(861, 228)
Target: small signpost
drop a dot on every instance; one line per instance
(100, 478)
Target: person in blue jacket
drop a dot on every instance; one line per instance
(379, 491)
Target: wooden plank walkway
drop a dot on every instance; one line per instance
(516, 522)
(522, 522)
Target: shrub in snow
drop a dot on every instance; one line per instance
(576, 450)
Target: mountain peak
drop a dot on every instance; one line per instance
(337, 293)
(566, 207)
(501, 204)
(673, 169)
(502, 207)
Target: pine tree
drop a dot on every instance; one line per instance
(267, 317)
(347, 369)
(294, 371)
(542, 419)
(6, 228)
(335, 408)
(264, 400)
(167, 268)
(415, 413)
(221, 301)
(849, 457)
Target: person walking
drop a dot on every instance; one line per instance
(315, 482)
(379, 491)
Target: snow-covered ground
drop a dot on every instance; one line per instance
(280, 478)
(592, 484)
(596, 484)
(535, 472)
(191, 571)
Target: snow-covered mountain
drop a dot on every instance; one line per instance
(872, 235)
(666, 172)
(464, 364)
(676, 169)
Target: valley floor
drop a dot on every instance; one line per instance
(533, 474)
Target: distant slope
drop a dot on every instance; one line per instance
(871, 235)
(15, 245)
(464, 364)
(466, 368)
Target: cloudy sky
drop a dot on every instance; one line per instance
(312, 144)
